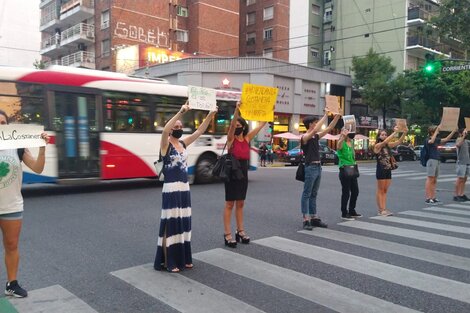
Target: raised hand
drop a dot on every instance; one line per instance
(185, 108)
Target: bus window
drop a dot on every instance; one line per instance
(223, 117)
(166, 108)
(126, 113)
(24, 103)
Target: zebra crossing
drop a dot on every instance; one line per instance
(442, 232)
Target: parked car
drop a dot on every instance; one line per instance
(417, 150)
(404, 153)
(448, 151)
(327, 155)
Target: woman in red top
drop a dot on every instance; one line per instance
(238, 143)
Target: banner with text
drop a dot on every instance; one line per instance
(201, 98)
(258, 102)
(450, 118)
(16, 136)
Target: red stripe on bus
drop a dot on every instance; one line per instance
(60, 78)
(118, 162)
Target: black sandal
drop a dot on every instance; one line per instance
(240, 235)
(229, 242)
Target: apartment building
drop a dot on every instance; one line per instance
(123, 35)
(264, 28)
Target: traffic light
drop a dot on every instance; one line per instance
(431, 65)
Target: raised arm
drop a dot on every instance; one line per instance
(200, 130)
(36, 165)
(380, 145)
(311, 131)
(460, 140)
(233, 125)
(330, 127)
(164, 143)
(342, 137)
(400, 140)
(255, 131)
(433, 137)
(449, 137)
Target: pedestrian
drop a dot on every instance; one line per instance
(263, 151)
(432, 165)
(349, 185)
(270, 153)
(463, 166)
(311, 149)
(238, 143)
(11, 204)
(385, 164)
(174, 236)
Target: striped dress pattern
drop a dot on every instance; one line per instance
(174, 236)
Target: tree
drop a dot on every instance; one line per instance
(453, 20)
(375, 81)
(39, 64)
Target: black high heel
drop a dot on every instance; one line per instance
(241, 236)
(229, 242)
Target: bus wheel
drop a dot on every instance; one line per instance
(204, 167)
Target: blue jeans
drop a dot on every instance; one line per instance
(309, 195)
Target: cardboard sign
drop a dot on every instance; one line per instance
(332, 104)
(450, 118)
(201, 98)
(467, 124)
(16, 136)
(258, 102)
(349, 123)
(400, 123)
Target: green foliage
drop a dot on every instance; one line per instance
(39, 64)
(453, 20)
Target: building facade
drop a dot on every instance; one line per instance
(105, 34)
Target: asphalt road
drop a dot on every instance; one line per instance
(90, 249)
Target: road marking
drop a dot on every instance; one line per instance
(6, 307)
(408, 233)
(441, 217)
(330, 295)
(403, 175)
(169, 288)
(425, 282)
(444, 210)
(460, 206)
(425, 175)
(439, 226)
(417, 253)
(447, 179)
(53, 299)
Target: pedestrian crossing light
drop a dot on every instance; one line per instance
(430, 66)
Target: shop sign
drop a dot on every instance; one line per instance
(153, 55)
(368, 121)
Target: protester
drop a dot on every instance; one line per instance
(238, 143)
(11, 205)
(350, 188)
(263, 151)
(174, 237)
(432, 165)
(385, 165)
(311, 149)
(463, 166)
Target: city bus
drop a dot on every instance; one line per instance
(107, 126)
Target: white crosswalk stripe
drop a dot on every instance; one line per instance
(441, 217)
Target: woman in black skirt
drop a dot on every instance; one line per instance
(238, 143)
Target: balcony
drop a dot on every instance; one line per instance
(418, 46)
(80, 59)
(52, 62)
(76, 11)
(51, 47)
(80, 33)
(417, 16)
(49, 21)
(44, 3)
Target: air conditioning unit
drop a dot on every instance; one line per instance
(90, 34)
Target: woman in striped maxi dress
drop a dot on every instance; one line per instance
(174, 237)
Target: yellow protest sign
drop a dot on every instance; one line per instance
(258, 102)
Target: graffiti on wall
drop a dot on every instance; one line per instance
(136, 33)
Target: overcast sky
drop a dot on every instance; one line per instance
(19, 32)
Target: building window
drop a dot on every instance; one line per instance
(268, 13)
(250, 38)
(315, 31)
(251, 18)
(268, 53)
(314, 52)
(251, 54)
(268, 34)
(328, 17)
(105, 19)
(105, 48)
(182, 11)
(326, 57)
(182, 35)
(315, 9)
(250, 2)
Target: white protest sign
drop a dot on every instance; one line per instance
(201, 98)
(450, 118)
(16, 136)
(349, 123)
(332, 104)
(400, 123)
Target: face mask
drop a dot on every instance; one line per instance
(238, 131)
(177, 133)
(351, 135)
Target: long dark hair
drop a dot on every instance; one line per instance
(377, 138)
(242, 121)
(4, 114)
